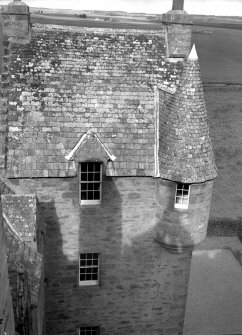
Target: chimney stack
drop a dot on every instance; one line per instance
(16, 22)
(178, 31)
(178, 5)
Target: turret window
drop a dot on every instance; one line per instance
(90, 183)
(182, 195)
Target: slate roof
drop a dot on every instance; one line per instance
(69, 80)
(185, 149)
(21, 212)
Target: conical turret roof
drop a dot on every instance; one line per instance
(185, 149)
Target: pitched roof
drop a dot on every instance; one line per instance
(71, 79)
(185, 149)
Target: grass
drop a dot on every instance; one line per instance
(224, 105)
(220, 55)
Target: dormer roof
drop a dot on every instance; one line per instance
(185, 151)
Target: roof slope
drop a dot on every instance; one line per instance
(185, 149)
(69, 80)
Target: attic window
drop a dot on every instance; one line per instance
(182, 195)
(89, 330)
(90, 183)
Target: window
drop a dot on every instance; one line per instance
(90, 183)
(89, 330)
(182, 195)
(89, 269)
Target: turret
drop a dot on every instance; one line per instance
(187, 166)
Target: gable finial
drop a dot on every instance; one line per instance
(193, 53)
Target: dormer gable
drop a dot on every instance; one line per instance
(90, 148)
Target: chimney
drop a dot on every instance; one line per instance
(178, 31)
(178, 5)
(16, 22)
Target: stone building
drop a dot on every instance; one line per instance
(22, 232)
(108, 127)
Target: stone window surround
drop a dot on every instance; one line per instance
(183, 196)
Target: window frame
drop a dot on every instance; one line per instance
(181, 187)
(90, 202)
(90, 282)
(95, 328)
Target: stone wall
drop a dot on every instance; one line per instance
(179, 40)
(6, 308)
(182, 227)
(143, 287)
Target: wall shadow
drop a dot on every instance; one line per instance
(70, 230)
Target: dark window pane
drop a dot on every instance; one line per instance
(83, 176)
(82, 270)
(90, 195)
(95, 262)
(83, 186)
(83, 256)
(96, 186)
(186, 186)
(83, 167)
(91, 167)
(89, 262)
(94, 276)
(83, 195)
(82, 277)
(96, 195)
(88, 276)
(95, 255)
(179, 193)
(90, 176)
(83, 262)
(97, 176)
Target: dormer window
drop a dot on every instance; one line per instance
(90, 183)
(182, 195)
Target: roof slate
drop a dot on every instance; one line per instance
(185, 149)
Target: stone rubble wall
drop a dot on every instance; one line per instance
(143, 287)
(6, 306)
